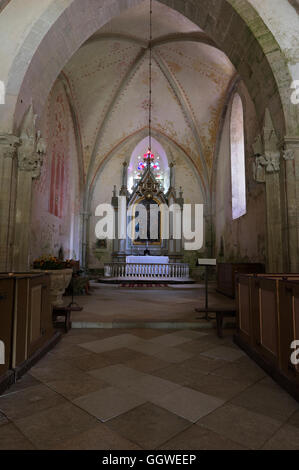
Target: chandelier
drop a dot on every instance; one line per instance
(149, 156)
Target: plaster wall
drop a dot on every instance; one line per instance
(55, 198)
(244, 239)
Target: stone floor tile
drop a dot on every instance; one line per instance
(294, 419)
(65, 351)
(286, 438)
(12, 439)
(170, 340)
(100, 437)
(79, 339)
(147, 347)
(246, 372)
(89, 362)
(29, 401)
(219, 387)
(25, 381)
(149, 333)
(272, 402)
(78, 386)
(111, 343)
(191, 334)
(109, 402)
(151, 388)
(147, 364)
(240, 425)
(149, 426)
(201, 364)
(3, 419)
(118, 374)
(224, 353)
(178, 373)
(121, 355)
(52, 368)
(196, 438)
(197, 347)
(188, 403)
(52, 426)
(173, 355)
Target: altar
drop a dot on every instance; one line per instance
(148, 259)
(147, 253)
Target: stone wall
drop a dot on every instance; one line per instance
(55, 195)
(243, 239)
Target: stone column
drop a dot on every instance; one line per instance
(22, 220)
(8, 152)
(85, 237)
(290, 154)
(267, 170)
(179, 243)
(124, 185)
(30, 154)
(175, 246)
(29, 167)
(171, 175)
(119, 245)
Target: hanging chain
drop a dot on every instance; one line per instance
(150, 76)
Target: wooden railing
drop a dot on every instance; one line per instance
(147, 271)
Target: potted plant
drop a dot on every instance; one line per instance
(60, 276)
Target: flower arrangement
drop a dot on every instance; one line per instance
(48, 262)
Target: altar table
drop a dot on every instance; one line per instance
(148, 259)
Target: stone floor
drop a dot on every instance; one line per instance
(147, 389)
(114, 304)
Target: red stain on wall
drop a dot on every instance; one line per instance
(59, 156)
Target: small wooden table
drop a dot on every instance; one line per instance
(65, 312)
(220, 312)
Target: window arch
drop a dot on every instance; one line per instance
(237, 143)
(161, 159)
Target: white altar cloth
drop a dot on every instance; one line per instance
(148, 259)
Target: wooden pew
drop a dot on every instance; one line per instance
(6, 327)
(288, 326)
(26, 315)
(264, 314)
(226, 275)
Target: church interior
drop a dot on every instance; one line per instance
(127, 338)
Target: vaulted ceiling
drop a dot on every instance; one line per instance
(108, 82)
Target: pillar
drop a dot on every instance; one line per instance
(29, 161)
(8, 154)
(290, 159)
(29, 166)
(85, 217)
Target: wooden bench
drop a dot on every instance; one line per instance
(65, 312)
(220, 312)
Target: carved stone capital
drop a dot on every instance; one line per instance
(267, 163)
(288, 154)
(257, 146)
(31, 162)
(31, 151)
(8, 145)
(271, 161)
